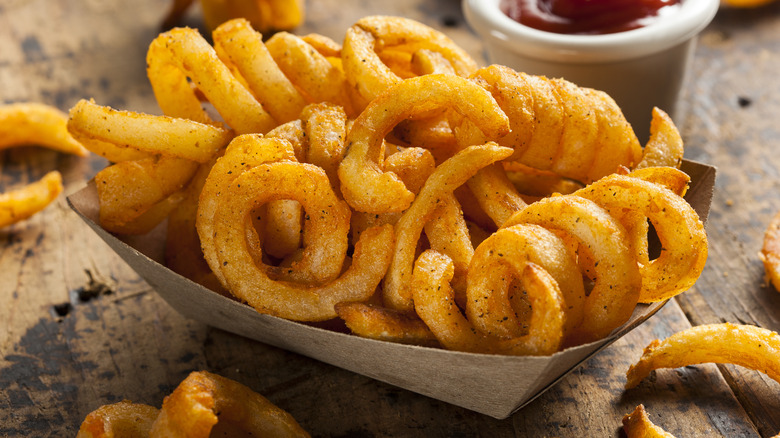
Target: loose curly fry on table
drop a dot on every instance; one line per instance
(34, 124)
(770, 252)
(206, 403)
(20, 204)
(122, 419)
(202, 405)
(23, 124)
(748, 346)
(638, 425)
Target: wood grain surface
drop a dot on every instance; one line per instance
(79, 329)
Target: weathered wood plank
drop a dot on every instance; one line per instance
(732, 124)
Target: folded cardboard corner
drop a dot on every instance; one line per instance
(490, 384)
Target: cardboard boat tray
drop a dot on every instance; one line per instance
(490, 384)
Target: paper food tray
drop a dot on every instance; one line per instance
(490, 384)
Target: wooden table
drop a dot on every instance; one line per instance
(79, 329)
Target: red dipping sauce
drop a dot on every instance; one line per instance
(588, 17)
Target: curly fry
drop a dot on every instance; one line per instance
(372, 35)
(181, 53)
(745, 345)
(434, 303)
(496, 303)
(20, 204)
(601, 237)
(665, 146)
(122, 419)
(232, 41)
(37, 124)
(375, 322)
(205, 402)
(449, 175)
(681, 232)
(366, 187)
(23, 124)
(121, 202)
(576, 132)
(183, 253)
(243, 153)
(638, 425)
(770, 252)
(125, 135)
(329, 222)
(311, 71)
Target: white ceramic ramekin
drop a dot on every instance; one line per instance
(640, 68)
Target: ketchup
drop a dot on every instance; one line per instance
(587, 16)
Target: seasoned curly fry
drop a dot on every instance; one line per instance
(37, 124)
(311, 71)
(600, 237)
(288, 300)
(20, 204)
(117, 185)
(232, 41)
(497, 304)
(364, 184)
(435, 304)
(125, 135)
(770, 252)
(183, 253)
(677, 225)
(576, 132)
(370, 36)
(748, 346)
(665, 146)
(638, 425)
(122, 419)
(34, 124)
(243, 153)
(205, 403)
(375, 322)
(202, 405)
(451, 174)
(183, 53)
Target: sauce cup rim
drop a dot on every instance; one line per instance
(487, 19)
